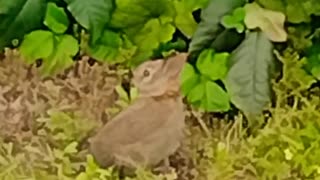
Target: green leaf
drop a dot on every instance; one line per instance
(213, 65)
(31, 43)
(207, 95)
(184, 20)
(18, 18)
(55, 50)
(235, 20)
(71, 148)
(112, 47)
(66, 47)
(270, 22)
(249, 77)
(189, 79)
(56, 19)
(209, 28)
(147, 24)
(199, 89)
(197, 93)
(216, 99)
(239, 14)
(92, 15)
(296, 11)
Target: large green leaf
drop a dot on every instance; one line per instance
(147, 23)
(56, 51)
(31, 43)
(184, 19)
(209, 28)
(92, 15)
(56, 19)
(112, 47)
(296, 11)
(18, 18)
(249, 77)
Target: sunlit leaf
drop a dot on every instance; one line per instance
(71, 148)
(56, 51)
(213, 65)
(270, 22)
(184, 19)
(56, 19)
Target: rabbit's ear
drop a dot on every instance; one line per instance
(174, 65)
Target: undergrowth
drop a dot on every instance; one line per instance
(285, 148)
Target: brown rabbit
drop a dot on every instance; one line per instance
(151, 128)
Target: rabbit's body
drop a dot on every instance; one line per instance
(151, 128)
(146, 139)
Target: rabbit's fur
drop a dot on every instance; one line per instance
(151, 128)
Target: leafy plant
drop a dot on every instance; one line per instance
(250, 70)
(112, 47)
(39, 158)
(184, 20)
(92, 15)
(93, 171)
(209, 31)
(200, 88)
(65, 128)
(235, 20)
(150, 25)
(57, 49)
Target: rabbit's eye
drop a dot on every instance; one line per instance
(146, 73)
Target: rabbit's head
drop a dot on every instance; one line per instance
(155, 78)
